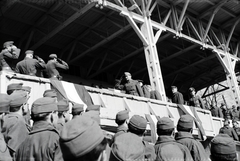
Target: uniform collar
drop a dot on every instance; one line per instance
(182, 134)
(39, 126)
(122, 128)
(164, 139)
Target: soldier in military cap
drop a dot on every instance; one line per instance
(236, 127)
(14, 127)
(137, 125)
(184, 137)
(42, 143)
(63, 113)
(166, 147)
(93, 111)
(77, 110)
(223, 148)
(195, 100)
(82, 139)
(226, 129)
(9, 53)
(14, 87)
(29, 65)
(177, 97)
(4, 109)
(130, 86)
(52, 93)
(122, 118)
(53, 63)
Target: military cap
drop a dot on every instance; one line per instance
(53, 56)
(80, 136)
(18, 98)
(4, 102)
(7, 43)
(127, 74)
(44, 105)
(223, 144)
(122, 115)
(26, 88)
(138, 122)
(173, 87)
(95, 115)
(29, 52)
(185, 121)
(93, 108)
(127, 146)
(63, 105)
(14, 86)
(165, 123)
(50, 93)
(77, 107)
(191, 89)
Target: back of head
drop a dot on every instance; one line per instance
(223, 148)
(29, 53)
(63, 105)
(77, 109)
(13, 86)
(185, 123)
(52, 56)
(121, 117)
(18, 99)
(127, 146)
(79, 137)
(137, 125)
(165, 126)
(50, 93)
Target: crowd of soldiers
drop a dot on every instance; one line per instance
(55, 135)
(32, 64)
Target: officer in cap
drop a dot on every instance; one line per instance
(130, 86)
(4, 109)
(9, 53)
(223, 148)
(42, 143)
(122, 118)
(14, 87)
(166, 146)
(127, 146)
(137, 125)
(177, 97)
(29, 65)
(53, 63)
(226, 129)
(195, 100)
(82, 139)
(77, 110)
(14, 128)
(63, 114)
(184, 137)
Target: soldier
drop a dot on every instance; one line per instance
(227, 113)
(29, 65)
(122, 121)
(166, 147)
(195, 100)
(137, 125)
(82, 139)
(236, 127)
(223, 148)
(9, 53)
(50, 93)
(127, 147)
(93, 111)
(177, 96)
(184, 137)
(235, 113)
(63, 114)
(77, 110)
(131, 86)
(14, 87)
(226, 129)
(216, 111)
(14, 127)
(53, 63)
(42, 143)
(4, 109)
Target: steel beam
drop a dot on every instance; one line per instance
(182, 14)
(62, 26)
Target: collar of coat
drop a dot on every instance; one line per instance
(40, 126)
(165, 139)
(182, 135)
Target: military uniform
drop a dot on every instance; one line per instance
(216, 112)
(41, 144)
(196, 101)
(155, 95)
(29, 66)
(121, 117)
(177, 98)
(235, 114)
(52, 65)
(7, 55)
(120, 130)
(229, 131)
(132, 87)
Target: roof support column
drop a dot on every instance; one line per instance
(228, 64)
